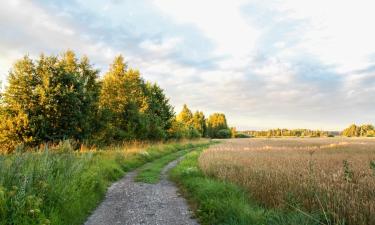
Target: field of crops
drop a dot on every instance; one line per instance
(332, 177)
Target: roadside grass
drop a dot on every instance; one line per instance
(219, 202)
(61, 186)
(151, 172)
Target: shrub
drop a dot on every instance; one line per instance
(241, 135)
(223, 133)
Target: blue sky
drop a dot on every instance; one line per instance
(266, 64)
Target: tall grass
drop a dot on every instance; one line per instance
(61, 186)
(334, 177)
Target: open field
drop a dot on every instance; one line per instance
(334, 177)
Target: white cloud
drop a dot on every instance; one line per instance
(294, 64)
(161, 47)
(30, 29)
(220, 21)
(339, 33)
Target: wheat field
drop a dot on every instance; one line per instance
(334, 177)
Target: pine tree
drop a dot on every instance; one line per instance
(159, 112)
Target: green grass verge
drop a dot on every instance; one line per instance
(150, 173)
(218, 202)
(63, 188)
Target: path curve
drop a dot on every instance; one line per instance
(134, 203)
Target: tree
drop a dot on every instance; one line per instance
(233, 132)
(60, 97)
(359, 131)
(49, 100)
(199, 123)
(132, 108)
(185, 116)
(159, 112)
(122, 103)
(351, 131)
(215, 123)
(17, 104)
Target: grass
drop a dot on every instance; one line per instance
(333, 177)
(219, 202)
(62, 186)
(150, 173)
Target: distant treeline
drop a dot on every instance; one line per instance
(288, 133)
(62, 97)
(366, 130)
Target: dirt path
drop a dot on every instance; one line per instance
(131, 203)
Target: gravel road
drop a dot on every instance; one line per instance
(132, 203)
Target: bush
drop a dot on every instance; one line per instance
(223, 133)
(193, 133)
(241, 135)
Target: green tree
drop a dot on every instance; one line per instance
(217, 126)
(351, 131)
(17, 104)
(199, 123)
(50, 99)
(185, 116)
(122, 103)
(159, 112)
(132, 108)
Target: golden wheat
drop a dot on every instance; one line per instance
(333, 175)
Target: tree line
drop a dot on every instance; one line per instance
(365, 130)
(197, 125)
(288, 133)
(62, 97)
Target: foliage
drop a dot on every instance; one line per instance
(61, 97)
(159, 112)
(199, 123)
(241, 135)
(223, 133)
(366, 130)
(188, 125)
(288, 133)
(217, 126)
(51, 99)
(233, 132)
(132, 108)
(185, 116)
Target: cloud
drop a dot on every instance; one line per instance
(264, 63)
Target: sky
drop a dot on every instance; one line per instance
(264, 63)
